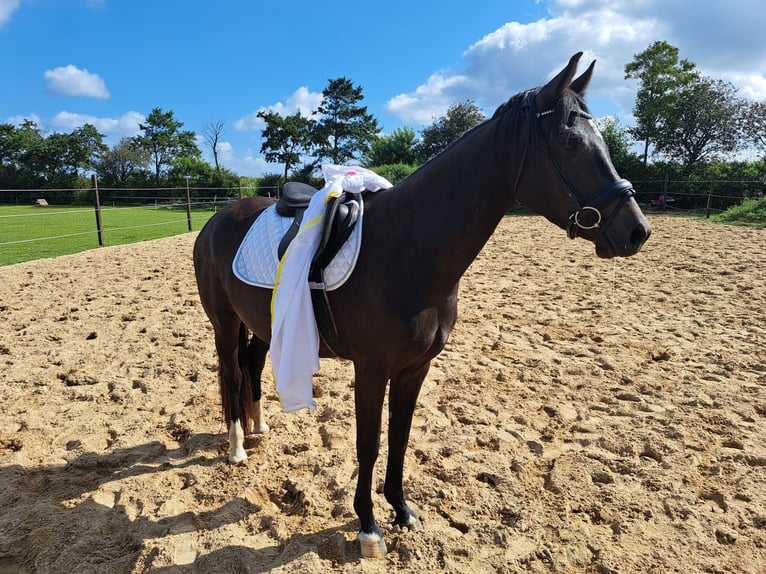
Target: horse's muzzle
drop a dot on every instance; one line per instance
(629, 242)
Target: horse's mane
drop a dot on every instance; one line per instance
(506, 117)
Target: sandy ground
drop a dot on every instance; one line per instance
(586, 416)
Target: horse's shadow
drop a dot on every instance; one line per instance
(111, 534)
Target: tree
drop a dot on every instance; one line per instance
(27, 154)
(344, 129)
(703, 125)
(662, 77)
(202, 176)
(459, 118)
(53, 159)
(123, 164)
(85, 146)
(165, 142)
(285, 139)
(754, 124)
(401, 146)
(212, 132)
(8, 156)
(617, 140)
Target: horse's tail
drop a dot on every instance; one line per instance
(242, 378)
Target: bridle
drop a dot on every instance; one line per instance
(587, 214)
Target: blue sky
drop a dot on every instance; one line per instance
(64, 63)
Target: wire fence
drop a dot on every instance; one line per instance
(44, 223)
(696, 196)
(66, 225)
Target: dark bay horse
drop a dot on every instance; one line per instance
(396, 311)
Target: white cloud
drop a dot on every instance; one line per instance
(301, 100)
(18, 120)
(72, 81)
(113, 128)
(430, 100)
(724, 41)
(249, 164)
(7, 8)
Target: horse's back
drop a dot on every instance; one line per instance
(222, 234)
(217, 244)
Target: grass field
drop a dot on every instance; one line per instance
(28, 233)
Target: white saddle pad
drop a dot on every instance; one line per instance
(256, 260)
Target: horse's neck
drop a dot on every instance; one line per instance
(454, 203)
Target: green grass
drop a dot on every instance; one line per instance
(750, 213)
(28, 233)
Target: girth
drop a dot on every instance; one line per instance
(338, 223)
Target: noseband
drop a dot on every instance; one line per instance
(587, 214)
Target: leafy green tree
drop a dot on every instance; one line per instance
(203, 177)
(306, 173)
(754, 125)
(285, 138)
(85, 146)
(459, 118)
(163, 139)
(54, 159)
(28, 154)
(60, 157)
(662, 77)
(703, 125)
(401, 146)
(344, 129)
(8, 156)
(268, 184)
(618, 142)
(124, 164)
(395, 172)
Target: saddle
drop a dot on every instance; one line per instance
(339, 221)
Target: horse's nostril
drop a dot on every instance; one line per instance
(639, 235)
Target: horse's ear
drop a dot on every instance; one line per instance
(551, 92)
(579, 85)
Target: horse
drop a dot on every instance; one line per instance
(540, 149)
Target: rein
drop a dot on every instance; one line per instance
(587, 214)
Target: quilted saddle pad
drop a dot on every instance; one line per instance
(256, 260)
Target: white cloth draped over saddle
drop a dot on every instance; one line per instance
(294, 345)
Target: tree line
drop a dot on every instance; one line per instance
(687, 126)
(340, 130)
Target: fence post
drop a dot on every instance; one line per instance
(240, 189)
(97, 200)
(709, 198)
(188, 204)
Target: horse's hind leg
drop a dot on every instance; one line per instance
(230, 379)
(257, 350)
(403, 396)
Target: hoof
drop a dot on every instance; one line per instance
(238, 455)
(261, 428)
(372, 545)
(413, 524)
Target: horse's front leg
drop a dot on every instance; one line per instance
(257, 350)
(369, 391)
(403, 396)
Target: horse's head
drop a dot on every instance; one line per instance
(568, 176)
